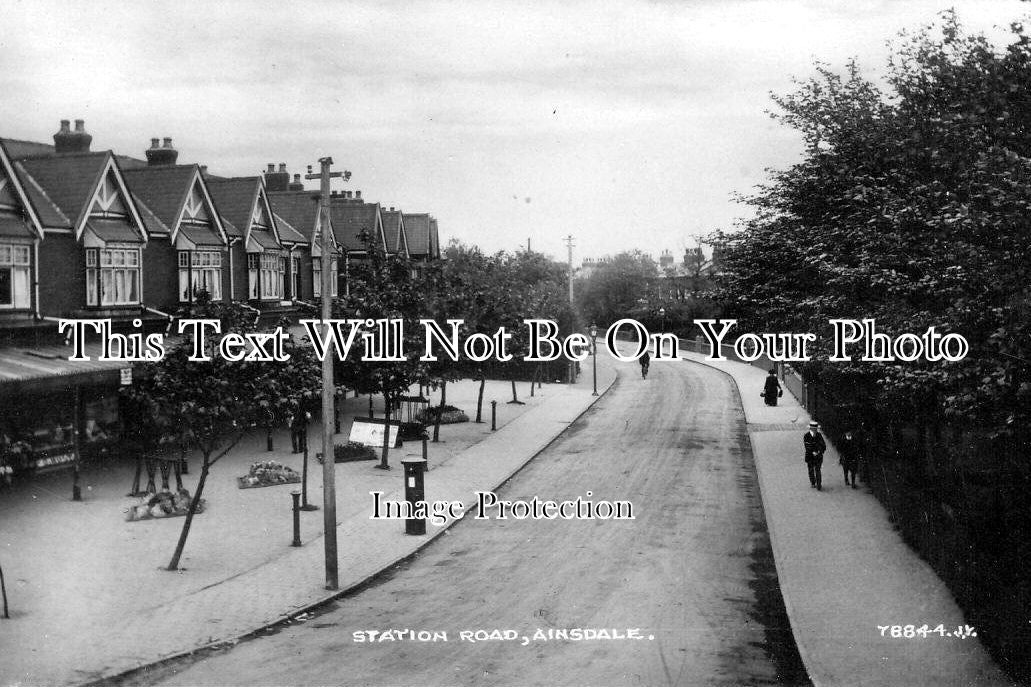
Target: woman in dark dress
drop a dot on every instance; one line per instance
(771, 390)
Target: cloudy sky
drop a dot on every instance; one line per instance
(626, 124)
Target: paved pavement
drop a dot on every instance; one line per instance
(843, 570)
(90, 600)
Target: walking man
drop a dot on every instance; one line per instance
(771, 388)
(815, 447)
(849, 457)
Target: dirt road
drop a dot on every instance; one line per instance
(683, 594)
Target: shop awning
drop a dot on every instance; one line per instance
(23, 367)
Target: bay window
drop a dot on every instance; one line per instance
(316, 267)
(112, 276)
(200, 270)
(265, 275)
(15, 276)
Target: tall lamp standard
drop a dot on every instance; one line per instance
(594, 353)
(662, 327)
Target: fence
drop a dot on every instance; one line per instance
(958, 496)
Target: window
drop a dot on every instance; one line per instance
(200, 270)
(295, 276)
(316, 267)
(265, 273)
(112, 276)
(15, 276)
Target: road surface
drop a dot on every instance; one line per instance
(683, 594)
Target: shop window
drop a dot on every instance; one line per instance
(15, 276)
(112, 276)
(200, 270)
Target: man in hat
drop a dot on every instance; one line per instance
(815, 447)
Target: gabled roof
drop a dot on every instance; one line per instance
(420, 228)
(165, 190)
(162, 189)
(394, 230)
(350, 218)
(287, 233)
(300, 209)
(237, 199)
(73, 181)
(10, 176)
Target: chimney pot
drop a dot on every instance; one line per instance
(271, 169)
(168, 143)
(154, 143)
(357, 194)
(391, 208)
(297, 178)
(282, 166)
(66, 141)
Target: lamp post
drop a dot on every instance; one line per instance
(594, 354)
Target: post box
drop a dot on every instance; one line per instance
(415, 492)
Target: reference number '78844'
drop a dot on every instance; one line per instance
(912, 631)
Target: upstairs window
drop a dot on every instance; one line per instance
(15, 276)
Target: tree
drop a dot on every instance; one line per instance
(206, 404)
(616, 287)
(908, 207)
(382, 287)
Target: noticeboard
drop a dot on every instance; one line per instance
(370, 432)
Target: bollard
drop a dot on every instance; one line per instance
(414, 492)
(425, 451)
(493, 415)
(296, 495)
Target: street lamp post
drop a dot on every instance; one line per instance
(594, 353)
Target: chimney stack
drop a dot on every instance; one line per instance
(277, 181)
(67, 141)
(159, 156)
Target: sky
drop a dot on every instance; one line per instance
(627, 125)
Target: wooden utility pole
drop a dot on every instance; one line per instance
(569, 245)
(329, 503)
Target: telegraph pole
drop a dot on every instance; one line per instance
(569, 245)
(329, 500)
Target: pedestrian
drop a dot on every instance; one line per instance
(815, 446)
(645, 360)
(771, 389)
(298, 429)
(849, 451)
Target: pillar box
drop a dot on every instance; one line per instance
(415, 492)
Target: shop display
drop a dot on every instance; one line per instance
(268, 474)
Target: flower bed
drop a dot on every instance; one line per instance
(449, 415)
(351, 451)
(268, 474)
(164, 505)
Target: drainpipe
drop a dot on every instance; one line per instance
(35, 274)
(232, 280)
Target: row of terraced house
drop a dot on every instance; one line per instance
(94, 234)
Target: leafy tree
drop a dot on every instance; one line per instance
(382, 287)
(909, 207)
(616, 287)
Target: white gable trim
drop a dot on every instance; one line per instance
(197, 179)
(20, 193)
(111, 166)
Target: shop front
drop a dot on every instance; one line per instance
(56, 413)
